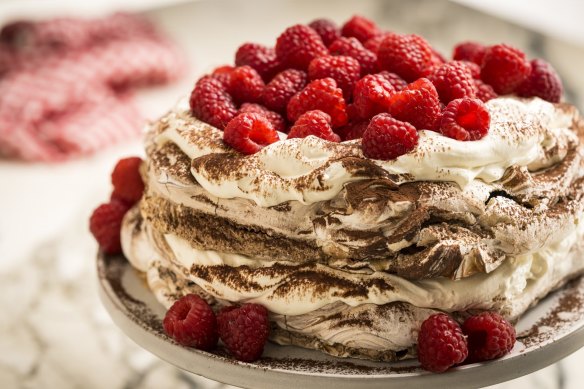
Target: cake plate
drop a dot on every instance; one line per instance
(547, 333)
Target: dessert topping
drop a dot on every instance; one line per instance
(489, 335)
(387, 138)
(126, 179)
(504, 68)
(353, 48)
(361, 28)
(465, 119)
(298, 45)
(275, 118)
(315, 123)
(441, 343)
(484, 92)
(409, 56)
(418, 104)
(246, 85)
(469, 51)
(327, 29)
(453, 80)
(106, 223)
(191, 322)
(344, 70)
(211, 103)
(280, 90)
(244, 330)
(324, 95)
(248, 133)
(543, 82)
(262, 58)
(371, 95)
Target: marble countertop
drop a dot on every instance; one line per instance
(54, 333)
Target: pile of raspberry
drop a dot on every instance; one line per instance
(359, 81)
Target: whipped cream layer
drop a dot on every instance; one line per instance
(527, 133)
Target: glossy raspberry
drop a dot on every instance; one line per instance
(244, 330)
(127, 181)
(409, 56)
(396, 81)
(465, 119)
(371, 95)
(248, 133)
(190, 321)
(246, 85)
(105, 225)
(211, 103)
(223, 75)
(315, 123)
(543, 82)
(489, 335)
(504, 68)
(323, 95)
(417, 104)
(441, 343)
(469, 51)
(353, 48)
(327, 29)
(353, 130)
(484, 92)
(262, 58)
(280, 90)
(453, 80)
(298, 45)
(274, 118)
(374, 43)
(344, 70)
(361, 28)
(475, 70)
(387, 138)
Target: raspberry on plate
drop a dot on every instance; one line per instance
(211, 103)
(323, 95)
(387, 138)
(127, 181)
(371, 95)
(504, 68)
(244, 330)
(453, 80)
(275, 118)
(469, 51)
(441, 343)
(262, 58)
(190, 321)
(315, 123)
(409, 56)
(344, 70)
(248, 133)
(353, 48)
(280, 90)
(298, 45)
(465, 119)
(543, 82)
(327, 29)
(417, 104)
(490, 336)
(105, 224)
(361, 28)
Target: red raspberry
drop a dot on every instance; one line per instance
(417, 104)
(299, 45)
(453, 80)
(327, 29)
(276, 119)
(387, 138)
(344, 70)
(244, 330)
(489, 335)
(323, 95)
(352, 130)
(262, 58)
(395, 80)
(504, 68)
(280, 90)
(409, 56)
(475, 70)
(248, 133)
(441, 343)
(315, 123)
(105, 225)
(351, 47)
(371, 95)
(361, 28)
(465, 119)
(223, 75)
(246, 85)
(374, 43)
(211, 103)
(543, 82)
(190, 321)
(469, 51)
(485, 92)
(127, 181)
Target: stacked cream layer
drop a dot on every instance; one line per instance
(350, 254)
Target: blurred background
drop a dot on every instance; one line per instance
(53, 331)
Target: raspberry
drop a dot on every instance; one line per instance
(469, 51)
(190, 321)
(105, 225)
(409, 56)
(395, 80)
(223, 75)
(374, 43)
(280, 90)
(441, 343)
(361, 28)
(351, 47)
(465, 119)
(323, 95)
(248, 133)
(315, 123)
(543, 82)
(344, 70)
(126, 179)
(484, 92)
(475, 70)
(453, 80)
(327, 29)
(352, 130)
(274, 118)
(371, 95)
(387, 138)
(299, 45)
(211, 103)
(417, 104)
(262, 58)
(437, 58)
(489, 335)
(244, 330)
(504, 68)
(246, 85)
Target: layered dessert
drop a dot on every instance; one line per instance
(368, 203)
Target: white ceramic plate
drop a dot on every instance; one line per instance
(547, 333)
